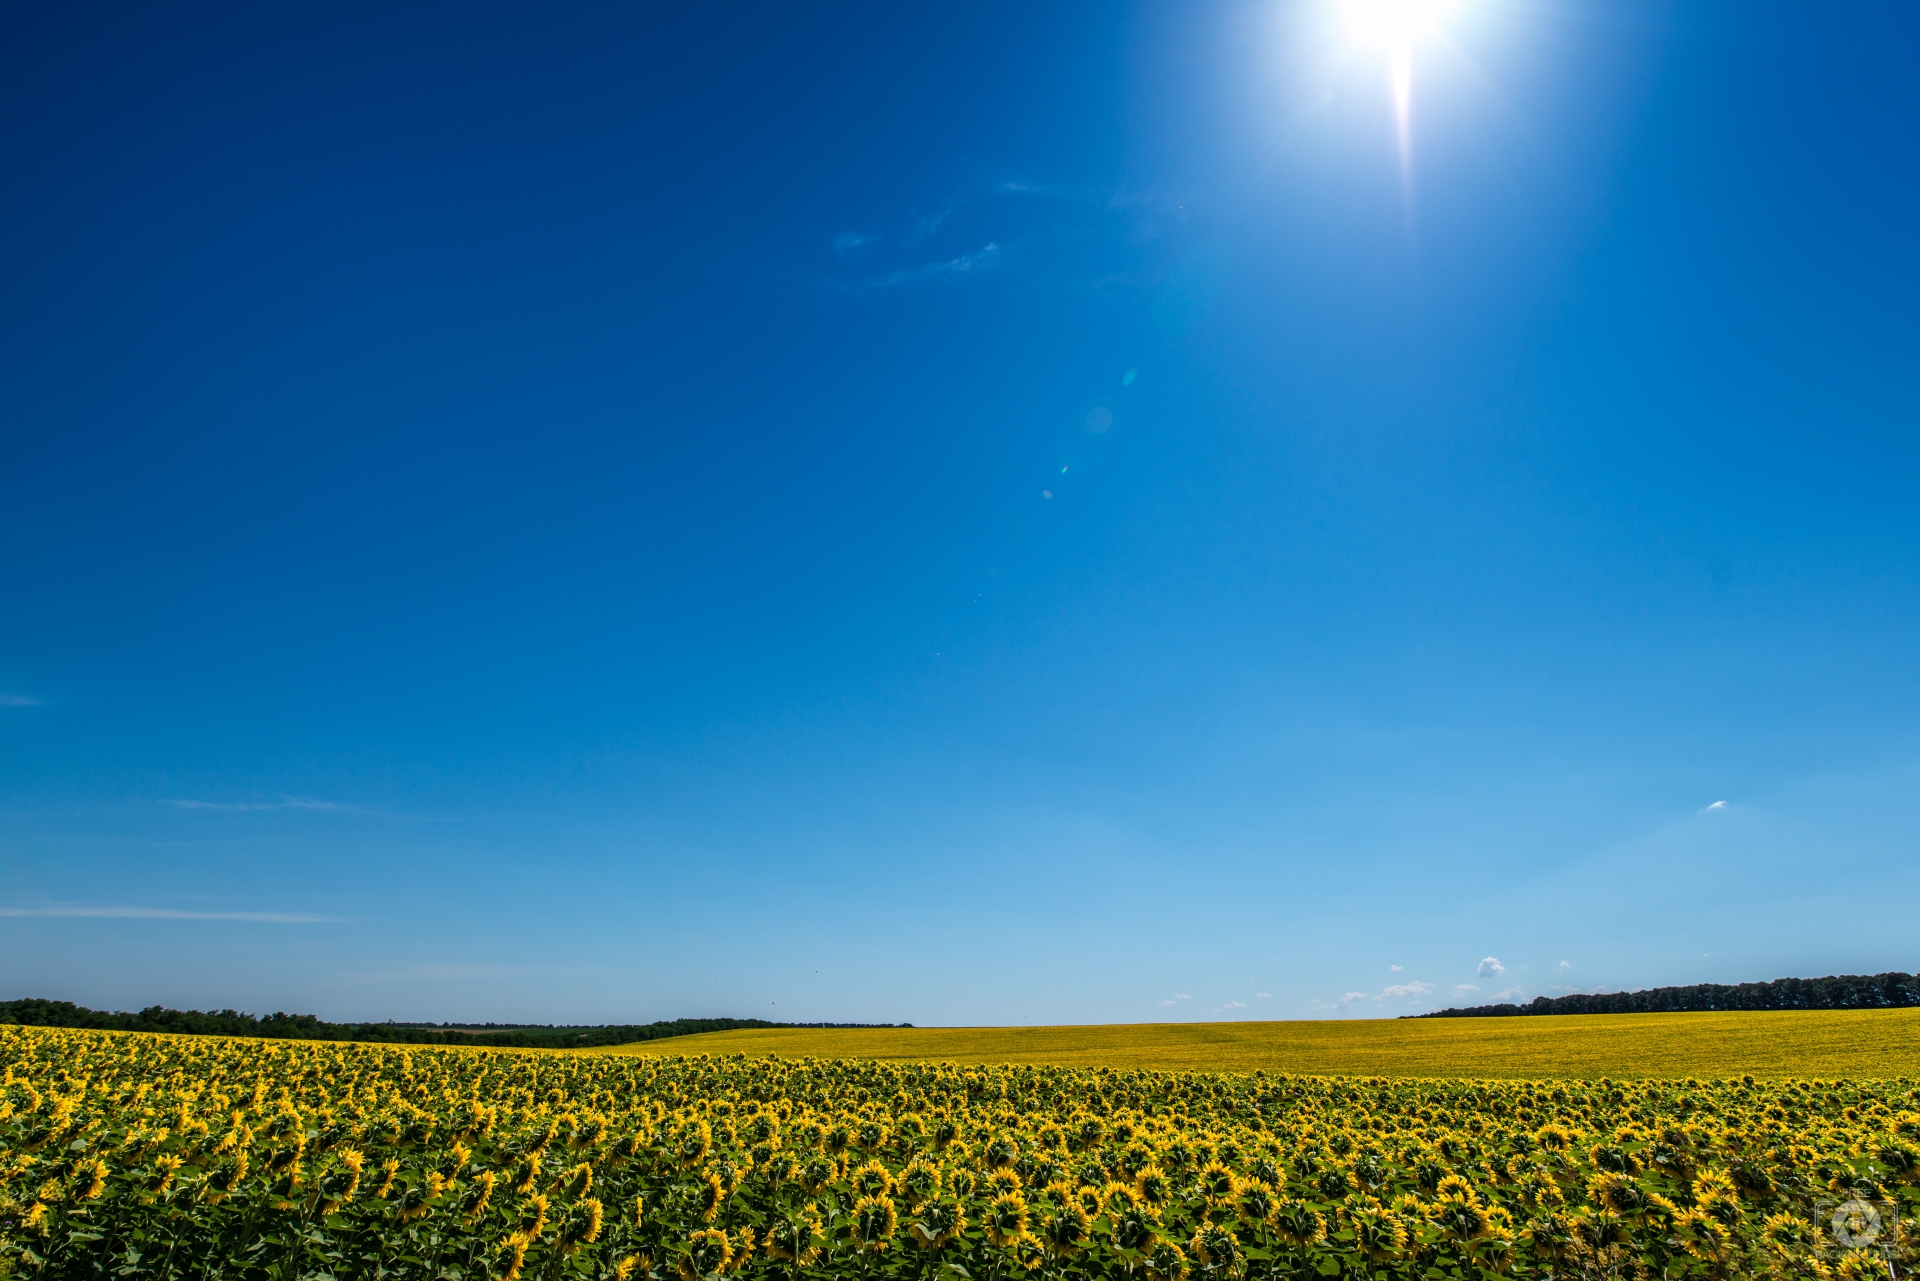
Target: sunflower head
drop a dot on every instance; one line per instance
(530, 1218)
(577, 1182)
(1620, 1193)
(582, 1225)
(874, 1222)
(1460, 1219)
(1255, 1203)
(525, 1174)
(796, 1239)
(1218, 1248)
(818, 1171)
(1168, 1262)
(1153, 1186)
(512, 1256)
(871, 1180)
(1006, 1218)
(1065, 1230)
(1701, 1235)
(1298, 1224)
(1218, 1183)
(1788, 1236)
(919, 1181)
(709, 1253)
(1377, 1232)
(939, 1222)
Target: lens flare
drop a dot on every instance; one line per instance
(1396, 24)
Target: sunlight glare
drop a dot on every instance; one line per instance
(1396, 24)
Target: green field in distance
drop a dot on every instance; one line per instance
(1804, 1043)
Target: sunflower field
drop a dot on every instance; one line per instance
(129, 1155)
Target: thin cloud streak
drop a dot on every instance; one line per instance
(284, 803)
(165, 914)
(20, 700)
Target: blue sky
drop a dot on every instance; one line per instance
(1000, 514)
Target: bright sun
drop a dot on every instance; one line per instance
(1396, 24)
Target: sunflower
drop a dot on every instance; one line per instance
(1619, 1193)
(709, 1252)
(1003, 1180)
(1168, 1262)
(796, 1239)
(1065, 1230)
(919, 1181)
(1460, 1219)
(530, 1217)
(1006, 1218)
(818, 1171)
(939, 1223)
(874, 1223)
(871, 1180)
(1701, 1235)
(1255, 1203)
(582, 1226)
(512, 1255)
(1789, 1236)
(1377, 1233)
(577, 1182)
(1218, 1248)
(1218, 1183)
(1299, 1224)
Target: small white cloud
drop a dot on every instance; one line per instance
(1348, 998)
(1508, 994)
(1264, 995)
(1461, 989)
(1182, 996)
(852, 242)
(1566, 965)
(1397, 991)
(1490, 967)
(1234, 1005)
(1166, 1002)
(1395, 969)
(18, 700)
(1718, 805)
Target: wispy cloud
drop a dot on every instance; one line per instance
(848, 243)
(1566, 965)
(1718, 805)
(1234, 1005)
(1461, 989)
(1395, 969)
(985, 258)
(1177, 997)
(1490, 967)
(166, 914)
(284, 803)
(1400, 991)
(1264, 996)
(19, 700)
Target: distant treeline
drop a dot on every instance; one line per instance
(1836, 992)
(307, 1027)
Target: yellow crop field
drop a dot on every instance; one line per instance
(139, 1155)
(1853, 1043)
